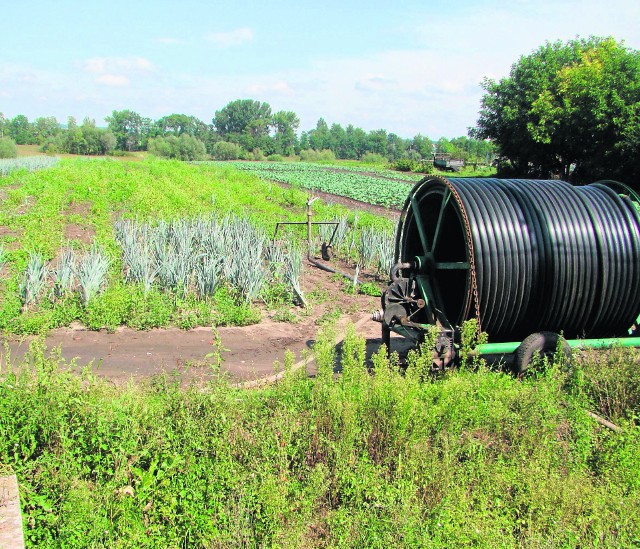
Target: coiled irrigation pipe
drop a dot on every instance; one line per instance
(526, 255)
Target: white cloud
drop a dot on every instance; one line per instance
(115, 80)
(117, 71)
(101, 65)
(235, 37)
(280, 87)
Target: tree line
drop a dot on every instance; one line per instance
(243, 129)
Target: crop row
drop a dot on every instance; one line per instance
(29, 163)
(351, 183)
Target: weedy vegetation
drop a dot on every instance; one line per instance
(368, 458)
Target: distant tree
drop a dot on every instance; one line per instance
(19, 129)
(86, 139)
(377, 142)
(338, 140)
(569, 109)
(96, 141)
(320, 137)
(422, 145)
(45, 128)
(285, 124)
(303, 144)
(396, 146)
(177, 124)
(356, 145)
(243, 117)
(130, 129)
(8, 148)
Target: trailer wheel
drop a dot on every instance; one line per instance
(545, 344)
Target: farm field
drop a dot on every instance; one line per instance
(382, 187)
(130, 218)
(184, 457)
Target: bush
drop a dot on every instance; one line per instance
(8, 148)
(275, 158)
(185, 147)
(404, 165)
(373, 158)
(223, 150)
(311, 155)
(410, 165)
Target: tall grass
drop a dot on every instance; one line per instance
(382, 459)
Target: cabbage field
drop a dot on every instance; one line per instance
(382, 187)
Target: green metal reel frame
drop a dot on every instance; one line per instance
(434, 268)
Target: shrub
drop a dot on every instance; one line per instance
(373, 158)
(275, 158)
(404, 165)
(223, 150)
(311, 155)
(8, 148)
(185, 147)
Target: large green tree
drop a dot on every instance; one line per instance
(246, 122)
(570, 109)
(285, 124)
(177, 124)
(131, 130)
(20, 130)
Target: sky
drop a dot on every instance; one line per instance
(409, 67)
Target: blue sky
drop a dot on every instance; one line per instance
(408, 67)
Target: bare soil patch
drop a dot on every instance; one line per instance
(80, 233)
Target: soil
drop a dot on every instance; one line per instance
(247, 353)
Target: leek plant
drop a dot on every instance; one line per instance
(64, 274)
(34, 279)
(29, 163)
(92, 273)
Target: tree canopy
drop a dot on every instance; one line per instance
(568, 109)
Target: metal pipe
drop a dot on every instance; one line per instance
(511, 346)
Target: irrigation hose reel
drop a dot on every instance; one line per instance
(525, 258)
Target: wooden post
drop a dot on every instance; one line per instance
(11, 534)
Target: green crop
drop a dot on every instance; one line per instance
(384, 187)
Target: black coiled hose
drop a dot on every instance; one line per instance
(545, 255)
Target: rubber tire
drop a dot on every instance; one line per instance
(544, 343)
